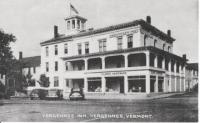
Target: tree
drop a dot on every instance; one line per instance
(44, 81)
(6, 56)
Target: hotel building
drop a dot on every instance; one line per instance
(124, 59)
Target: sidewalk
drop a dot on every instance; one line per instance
(67, 101)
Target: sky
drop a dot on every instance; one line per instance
(32, 21)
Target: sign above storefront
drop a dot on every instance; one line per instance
(114, 73)
(123, 33)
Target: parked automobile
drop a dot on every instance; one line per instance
(38, 94)
(55, 94)
(76, 94)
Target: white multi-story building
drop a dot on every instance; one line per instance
(128, 58)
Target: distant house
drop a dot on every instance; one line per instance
(191, 75)
(31, 66)
(24, 66)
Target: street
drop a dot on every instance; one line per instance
(172, 109)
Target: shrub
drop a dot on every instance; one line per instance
(42, 93)
(59, 94)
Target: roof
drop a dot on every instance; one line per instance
(192, 66)
(31, 61)
(76, 16)
(146, 26)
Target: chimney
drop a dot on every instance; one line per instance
(169, 33)
(184, 56)
(20, 55)
(55, 31)
(148, 19)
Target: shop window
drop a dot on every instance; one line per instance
(94, 84)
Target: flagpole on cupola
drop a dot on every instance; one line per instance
(69, 5)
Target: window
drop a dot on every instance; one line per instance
(86, 47)
(47, 66)
(163, 46)
(119, 43)
(102, 45)
(79, 49)
(155, 41)
(66, 66)
(66, 48)
(56, 81)
(68, 25)
(130, 41)
(56, 49)
(34, 70)
(47, 51)
(67, 82)
(56, 66)
(73, 24)
(78, 24)
(169, 48)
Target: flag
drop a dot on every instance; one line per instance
(72, 8)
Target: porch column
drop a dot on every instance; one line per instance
(156, 61)
(125, 84)
(170, 77)
(184, 79)
(164, 84)
(103, 84)
(75, 23)
(85, 84)
(103, 62)
(156, 84)
(147, 83)
(86, 64)
(175, 75)
(126, 60)
(147, 59)
(180, 77)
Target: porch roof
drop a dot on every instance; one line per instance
(130, 50)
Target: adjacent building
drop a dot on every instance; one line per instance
(128, 58)
(191, 76)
